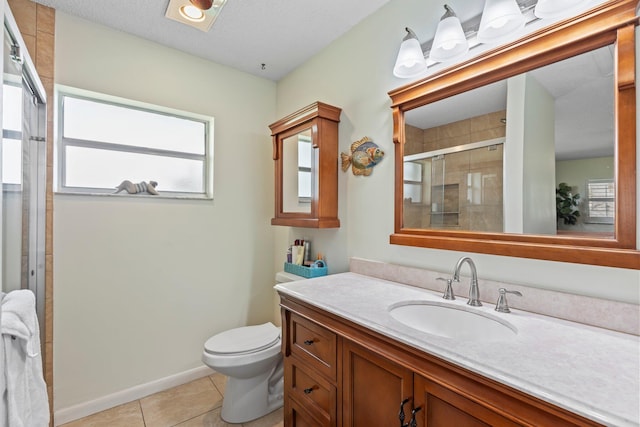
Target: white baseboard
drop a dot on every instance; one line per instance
(72, 413)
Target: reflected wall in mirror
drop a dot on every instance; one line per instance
(481, 147)
(533, 131)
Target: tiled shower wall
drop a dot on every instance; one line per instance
(37, 26)
(466, 209)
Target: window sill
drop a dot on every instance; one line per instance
(162, 196)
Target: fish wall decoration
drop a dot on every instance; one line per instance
(365, 154)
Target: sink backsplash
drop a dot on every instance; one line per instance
(617, 316)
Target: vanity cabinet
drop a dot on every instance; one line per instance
(339, 373)
(305, 151)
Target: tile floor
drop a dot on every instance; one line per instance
(195, 404)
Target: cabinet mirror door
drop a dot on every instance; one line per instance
(297, 171)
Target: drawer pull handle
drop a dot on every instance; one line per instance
(308, 342)
(401, 415)
(308, 390)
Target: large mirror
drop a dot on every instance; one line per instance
(532, 156)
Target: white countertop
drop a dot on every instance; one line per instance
(590, 371)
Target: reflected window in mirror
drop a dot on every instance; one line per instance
(297, 157)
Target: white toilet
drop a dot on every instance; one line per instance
(251, 359)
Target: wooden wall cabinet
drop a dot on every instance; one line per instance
(338, 373)
(305, 151)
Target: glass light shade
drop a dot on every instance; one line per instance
(558, 8)
(501, 19)
(192, 13)
(449, 42)
(410, 61)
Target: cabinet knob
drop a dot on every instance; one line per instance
(308, 342)
(308, 390)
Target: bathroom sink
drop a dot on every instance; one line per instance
(451, 321)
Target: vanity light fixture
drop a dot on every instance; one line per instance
(501, 19)
(450, 42)
(200, 14)
(500, 22)
(410, 61)
(557, 8)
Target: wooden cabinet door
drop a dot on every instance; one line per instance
(441, 407)
(373, 388)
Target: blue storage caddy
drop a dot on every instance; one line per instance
(301, 270)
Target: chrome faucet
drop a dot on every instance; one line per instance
(474, 292)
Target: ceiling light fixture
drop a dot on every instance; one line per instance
(202, 4)
(450, 42)
(192, 13)
(500, 22)
(200, 14)
(410, 61)
(501, 19)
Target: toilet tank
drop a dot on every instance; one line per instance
(283, 277)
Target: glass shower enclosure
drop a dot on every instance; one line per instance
(23, 171)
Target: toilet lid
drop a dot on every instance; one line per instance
(247, 339)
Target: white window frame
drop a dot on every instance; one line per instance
(62, 92)
(595, 219)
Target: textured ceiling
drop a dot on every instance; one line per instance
(282, 34)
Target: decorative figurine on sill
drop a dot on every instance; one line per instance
(365, 154)
(140, 187)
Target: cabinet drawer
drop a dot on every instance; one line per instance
(309, 388)
(295, 415)
(314, 344)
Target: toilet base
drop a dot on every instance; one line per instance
(248, 399)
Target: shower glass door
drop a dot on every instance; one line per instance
(23, 175)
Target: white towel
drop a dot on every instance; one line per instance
(25, 394)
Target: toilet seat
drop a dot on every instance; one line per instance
(243, 340)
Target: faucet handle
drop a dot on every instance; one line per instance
(502, 305)
(448, 292)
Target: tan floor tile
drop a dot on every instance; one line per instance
(181, 403)
(127, 415)
(273, 419)
(220, 381)
(210, 419)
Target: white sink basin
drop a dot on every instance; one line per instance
(450, 321)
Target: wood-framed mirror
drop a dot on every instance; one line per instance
(482, 147)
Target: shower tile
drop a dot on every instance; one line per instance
(127, 415)
(46, 19)
(180, 403)
(24, 11)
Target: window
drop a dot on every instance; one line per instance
(103, 141)
(601, 202)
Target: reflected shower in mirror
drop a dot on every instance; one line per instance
(491, 159)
